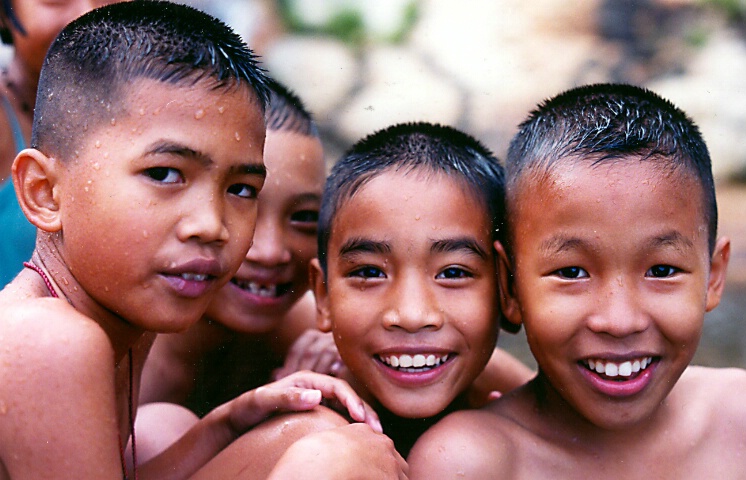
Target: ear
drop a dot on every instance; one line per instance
(718, 269)
(318, 284)
(35, 178)
(511, 312)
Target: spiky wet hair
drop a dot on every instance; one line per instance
(92, 63)
(408, 147)
(604, 123)
(286, 112)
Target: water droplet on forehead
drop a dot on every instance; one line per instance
(113, 122)
(221, 109)
(238, 136)
(97, 144)
(199, 114)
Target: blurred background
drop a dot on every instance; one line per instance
(481, 65)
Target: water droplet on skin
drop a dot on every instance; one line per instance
(106, 289)
(75, 288)
(416, 217)
(64, 280)
(113, 122)
(106, 154)
(221, 109)
(145, 234)
(238, 136)
(199, 114)
(86, 189)
(96, 166)
(141, 112)
(97, 144)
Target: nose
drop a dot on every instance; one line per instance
(413, 306)
(619, 311)
(204, 220)
(269, 247)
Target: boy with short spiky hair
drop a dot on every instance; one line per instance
(406, 274)
(142, 183)
(611, 262)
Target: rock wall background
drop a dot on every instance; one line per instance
(481, 65)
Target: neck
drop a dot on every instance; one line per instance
(121, 333)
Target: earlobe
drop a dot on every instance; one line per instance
(718, 270)
(511, 313)
(318, 284)
(35, 178)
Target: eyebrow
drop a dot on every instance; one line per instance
(560, 243)
(672, 239)
(467, 244)
(363, 245)
(306, 197)
(204, 160)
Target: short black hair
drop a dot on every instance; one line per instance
(286, 111)
(96, 57)
(414, 147)
(5, 35)
(606, 122)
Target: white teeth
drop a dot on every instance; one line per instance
(624, 369)
(194, 277)
(418, 362)
(262, 290)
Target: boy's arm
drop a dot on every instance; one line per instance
(56, 395)
(219, 428)
(461, 446)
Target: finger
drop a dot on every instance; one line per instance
(256, 405)
(333, 388)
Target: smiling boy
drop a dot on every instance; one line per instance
(406, 275)
(611, 262)
(142, 182)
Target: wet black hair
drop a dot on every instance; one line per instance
(608, 122)
(411, 147)
(94, 60)
(5, 35)
(286, 111)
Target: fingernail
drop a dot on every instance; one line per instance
(311, 396)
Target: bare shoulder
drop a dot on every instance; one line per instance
(465, 444)
(58, 372)
(718, 390)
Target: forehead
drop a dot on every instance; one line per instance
(412, 206)
(622, 192)
(292, 156)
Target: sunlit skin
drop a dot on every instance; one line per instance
(411, 271)
(610, 263)
(166, 213)
(274, 274)
(612, 266)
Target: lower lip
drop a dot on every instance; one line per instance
(620, 389)
(188, 288)
(414, 379)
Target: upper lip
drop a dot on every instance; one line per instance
(201, 266)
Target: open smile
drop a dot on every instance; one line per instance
(264, 290)
(618, 371)
(418, 363)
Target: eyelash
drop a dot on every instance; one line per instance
(669, 271)
(367, 272)
(241, 187)
(456, 273)
(162, 174)
(572, 273)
